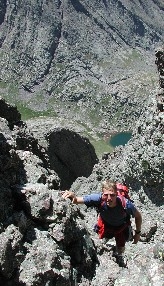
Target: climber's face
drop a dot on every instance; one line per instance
(109, 196)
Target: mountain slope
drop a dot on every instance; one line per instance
(74, 58)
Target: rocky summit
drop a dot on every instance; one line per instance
(91, 69)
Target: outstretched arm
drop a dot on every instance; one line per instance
(138, 223)
(72, 197)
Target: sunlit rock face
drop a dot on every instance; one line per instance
(45, 240)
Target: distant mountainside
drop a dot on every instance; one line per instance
(81, 58)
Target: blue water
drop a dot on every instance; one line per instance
(120, 139)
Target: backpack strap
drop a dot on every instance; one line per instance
(122, 200)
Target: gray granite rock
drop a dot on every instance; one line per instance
(45, 240)
(11, 250)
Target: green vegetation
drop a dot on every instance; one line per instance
(9, 88)
(94, 116)
(27, 113)
(9, 91)
(99, 144)
(101, 147)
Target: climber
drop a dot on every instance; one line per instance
(114, 215)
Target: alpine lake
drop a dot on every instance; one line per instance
(120, 139)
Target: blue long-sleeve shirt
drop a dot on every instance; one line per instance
(115, 216)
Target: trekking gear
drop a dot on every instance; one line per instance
(123, 190)
(121, 259)
(104, 230)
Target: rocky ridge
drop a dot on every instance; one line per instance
(47, 241)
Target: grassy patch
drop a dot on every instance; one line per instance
(27, 113)
(101, 147)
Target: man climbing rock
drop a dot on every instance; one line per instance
(115, 212)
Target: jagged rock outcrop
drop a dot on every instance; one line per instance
(32, 212)
(160, 66)
(140, 165)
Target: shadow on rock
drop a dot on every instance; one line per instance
(70, 155)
